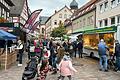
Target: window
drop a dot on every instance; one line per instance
(113, 3)
(70, 16)
(43, 30)
(65, 15)
(60, 22)
(112, 20)
(60, 15)
(100, 23)
(106, 5)
(101, 8)
(118, 1)
(84, 22)
(106, 22)
(3, 12)
(55, 23)
(118, 19)
(80, 23)
(91, 20)
(65, 10)
(0, 11)
(88, 21)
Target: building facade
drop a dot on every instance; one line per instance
(85, 17)
(5, 8)
(42, 25)
(57, 18)
(107, 13)
(4, 14)
(19, 15)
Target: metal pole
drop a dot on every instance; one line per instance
(6, 55)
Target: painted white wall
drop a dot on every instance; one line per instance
(108, 13)
(50, 24)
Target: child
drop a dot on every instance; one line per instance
(43, 67)
(66, 68)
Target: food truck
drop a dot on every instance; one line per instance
(91, 39)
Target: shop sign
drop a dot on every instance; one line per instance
(7, 24)
(102, 30)
(106, 29)
(89, 31)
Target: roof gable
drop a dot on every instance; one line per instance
(61, 10)
(17, 9)
(85, 8)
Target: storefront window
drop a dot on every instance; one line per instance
(91, 41)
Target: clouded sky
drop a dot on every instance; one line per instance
(49, 6)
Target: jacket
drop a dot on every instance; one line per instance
(117, 50)
(66, 68)
(102, 48)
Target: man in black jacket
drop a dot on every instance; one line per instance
(117, 54)
(80, 48)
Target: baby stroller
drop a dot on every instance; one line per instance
(30, 70)
(111, 62)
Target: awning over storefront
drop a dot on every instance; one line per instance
(6, 36)
(102, 30)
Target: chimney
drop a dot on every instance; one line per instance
(55, 11)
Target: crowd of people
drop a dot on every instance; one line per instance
(52, 56)
(58, 56)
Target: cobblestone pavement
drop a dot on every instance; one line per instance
(87, 70)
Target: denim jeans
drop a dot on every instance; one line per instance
(103, 62)
(117, 65)
(54, 62)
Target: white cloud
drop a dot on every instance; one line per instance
(49, 6)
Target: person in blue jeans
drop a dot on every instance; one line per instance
(102, 48)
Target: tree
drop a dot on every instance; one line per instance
(59, 31)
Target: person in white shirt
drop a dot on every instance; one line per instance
(20, 53)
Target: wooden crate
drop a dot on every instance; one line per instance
(11, 58)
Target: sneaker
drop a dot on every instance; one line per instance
(19, 64)
(100, 69)
(115, 69)
(106, 70)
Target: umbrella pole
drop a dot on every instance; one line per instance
(6, 56)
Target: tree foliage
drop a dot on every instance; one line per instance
(59, 31)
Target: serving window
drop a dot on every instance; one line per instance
(109, 40)
(90, 41)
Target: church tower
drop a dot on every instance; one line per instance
(74, 5)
